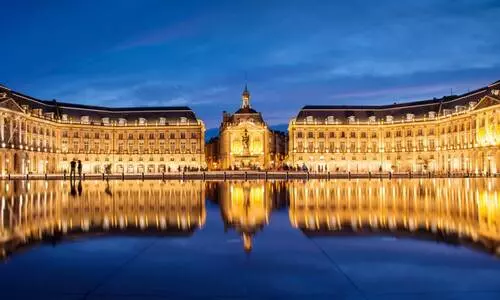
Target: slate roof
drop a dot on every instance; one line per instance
(398, 111)
(172, 114)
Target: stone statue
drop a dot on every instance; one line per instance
(246, 141)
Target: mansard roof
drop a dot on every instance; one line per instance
(419, 109)
(95, 113)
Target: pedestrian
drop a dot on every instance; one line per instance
(80, 169)
(72, 169)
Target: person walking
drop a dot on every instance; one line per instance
(72, 169)
(80, 169)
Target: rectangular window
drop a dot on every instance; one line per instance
(409, 146)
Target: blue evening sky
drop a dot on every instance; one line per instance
(196, 53)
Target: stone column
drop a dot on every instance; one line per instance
(11, 130)
(2, 131)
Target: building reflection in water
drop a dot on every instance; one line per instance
(458, 211)
(463, 211)
(39, 211)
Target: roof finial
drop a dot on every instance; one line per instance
(245, 96)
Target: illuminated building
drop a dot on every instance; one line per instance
(38, 136)
(32, 211)
(451, 134)
(245, 141)
(455, 210)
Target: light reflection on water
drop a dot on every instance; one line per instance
(458, 211)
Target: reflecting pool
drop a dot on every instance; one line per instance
(355, 238)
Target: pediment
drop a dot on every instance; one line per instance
(485, 102)
(10, 104)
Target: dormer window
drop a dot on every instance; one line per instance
(389, 118)
(122, 121)
(432, 115)
(162, 121)
(37, 111)
(459, 108)
(309, 119)
(495, 92)
(447, 112)
(472, 104)
(85, 119)
(49, 115)
(105, 121)
(142, 121)
(330, 120)
(3, 95)
(25, 107)
(351, 119)
(372, 119)
(410, 117)
(183, 120)
(64, 117)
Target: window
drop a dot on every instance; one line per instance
(193, 147)
(106, 136)
(363, 135)
(194, 135)
(374, 147)
(388, 134)
(363, 146)
(321, 147)
(352, 147)
(321, 135)
(75, 135)
(353, 135)
(332, 135)
(310, 147)
(342, 134)
(172, 135)
(151, 136)
(408, 132)
(310, 134)
(420, 144)
(374, 135)
(398, 133)
(398, 146)
(300, 147)
(96, 135)
(299, 135)
(431, 144)
(409, 146)
(420, 132)
(183, 135)
(130, 136)
(141, 136)
(65, 134)
(162, 136)
(332, 147)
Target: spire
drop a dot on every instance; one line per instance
(245, 98)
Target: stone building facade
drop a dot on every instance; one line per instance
(451, 134)
(246, 142)
(38, 136)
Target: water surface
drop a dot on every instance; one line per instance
(376, 239)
